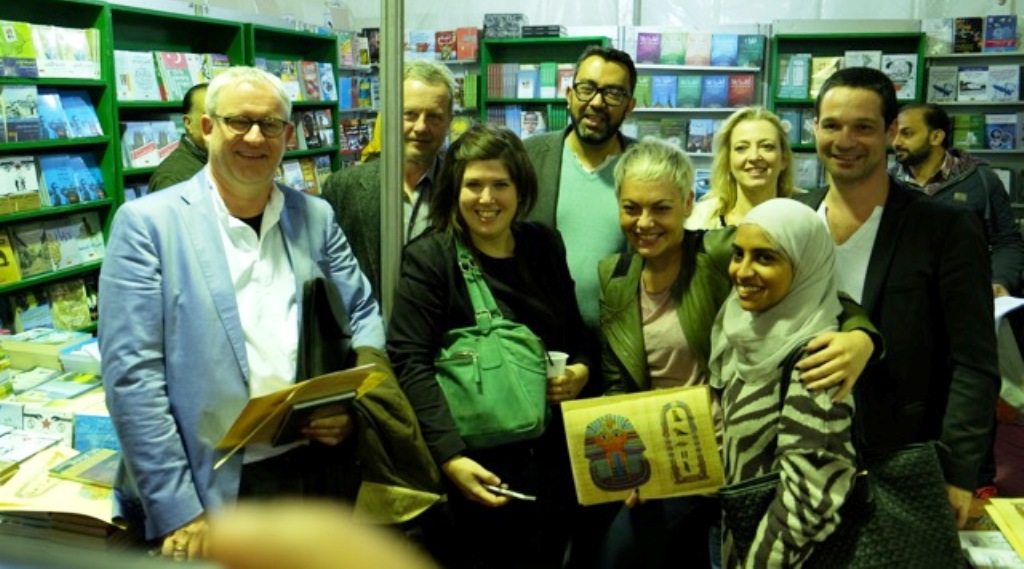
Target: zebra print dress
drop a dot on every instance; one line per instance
(809, 444)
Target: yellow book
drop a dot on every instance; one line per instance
(1008, 514)
(9, 272)
(821, 69)
(97, 467)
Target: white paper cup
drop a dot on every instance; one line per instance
(556, 363)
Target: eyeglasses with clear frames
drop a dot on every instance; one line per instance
(612, 96)
(269, 126)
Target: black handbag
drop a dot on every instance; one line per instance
(325, 336)
(896, 515)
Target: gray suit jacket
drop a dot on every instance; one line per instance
(354, 194)
(174, 357)
(545, 152)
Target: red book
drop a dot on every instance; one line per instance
(741, 90)
(466, 42)
(310, 81)
(444, 45)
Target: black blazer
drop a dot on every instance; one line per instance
(928, 289)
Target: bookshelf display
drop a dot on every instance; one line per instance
(56, 171)
(140, 31)
(987, 118)
(505, 64)
(315, 152)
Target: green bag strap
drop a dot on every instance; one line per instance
(485, 309)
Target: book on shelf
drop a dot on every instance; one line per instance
(372, 36)
(18, 49)
(741, 90)
(291, 175)
(197, 68)
(545, 31)
(863, 58)
(289, 75)
(78, 55)
(18, 175)
(40, 347)
(968, 131)
(91, 184)
(673, 48)
(325, 126)
(527, 81)
(48, 58)
(548, 86)
(1001, 131)
(714, 91)
(968, 34)
(310, 80)
(938, 34)
(1004, 82)
(663, 91)
(167, 138)
(136, 76)
(421, 45)
(648, 47)
(58, 180)
(30, 309)
(322, 168)
(139, 144)
(75, 239)
(36, 252)
(973, 83)
(698, 48)
(807, 172)
(309, 132)
(1000, 33)
(724, 50)
(361, 46)
(20, 105)
(504, 25)
(97, 467)
(794, 76)
(532, 122)
(81, 113)
(701, 183)
(53, 121)
(566, 74)
(328, 85)
(467, 43)
(309, 178)
(673, 131)
(822, 67)
(444, 45)
(688, 91)
(69, 305)
(942, 83)
(902, 69)
(9, 272)
(699, 135)
(347, 56)
(790, 119)
(750, 52)
(807, 126)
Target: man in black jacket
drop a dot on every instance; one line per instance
(917, 267)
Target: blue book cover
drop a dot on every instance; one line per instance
(59, 179)
(663, 92)
(53, 122)
(700, 135)
(91, 186)
(794, 76)
(790, 118)
(724, 50)
(21, 112)
(1000, 33)
(714, 91)
(94, 430)
(751, 50)
(81, 114)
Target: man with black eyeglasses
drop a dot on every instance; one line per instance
(576, 195)
(200, 292)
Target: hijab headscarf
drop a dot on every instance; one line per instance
(752, 345)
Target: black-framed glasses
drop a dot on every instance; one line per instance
(612, 96)
(269, 126)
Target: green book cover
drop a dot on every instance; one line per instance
(751, 51)
(688, 91)
(673, 48)
(18, 50)
(548, 79)
(643, 91)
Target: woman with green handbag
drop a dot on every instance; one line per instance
(472, 291)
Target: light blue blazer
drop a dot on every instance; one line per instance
(174, 360)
